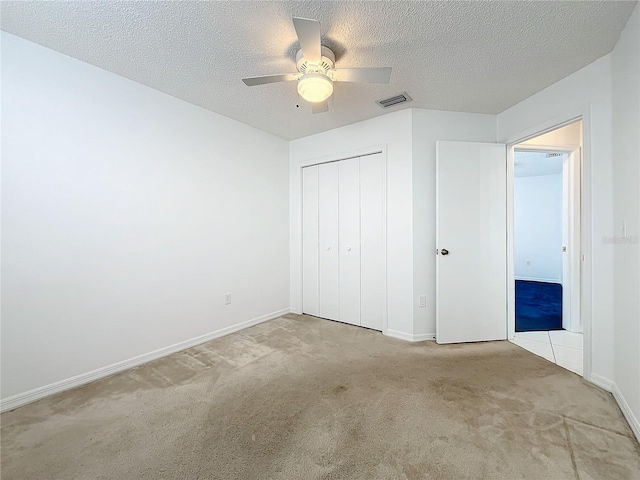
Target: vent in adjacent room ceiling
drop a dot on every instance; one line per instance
(390, 102)
(550, 155)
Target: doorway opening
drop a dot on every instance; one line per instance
(547, 247)
(538, 239)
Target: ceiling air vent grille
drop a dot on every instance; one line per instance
(390, 102)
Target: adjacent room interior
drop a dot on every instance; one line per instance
(320, 240)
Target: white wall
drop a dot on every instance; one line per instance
(127, 214)
(538, 228)
(429, 126)
(567, 136)
(394, 131)
(587, 91)
(626, 201)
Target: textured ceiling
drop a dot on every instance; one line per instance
(461, 56)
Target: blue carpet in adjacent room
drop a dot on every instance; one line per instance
(538, 306)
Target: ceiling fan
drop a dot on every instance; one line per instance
(316, 69)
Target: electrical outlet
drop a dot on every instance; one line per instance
(528, 263)
(422, 301)
(227, 299)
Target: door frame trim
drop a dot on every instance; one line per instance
(295, 291)
(586, 250)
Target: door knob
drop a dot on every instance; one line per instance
(444, 251)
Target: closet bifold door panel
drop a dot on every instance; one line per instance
(349, 240)
(329, 280)
(372, 243)
(343, 243)
(310, 258)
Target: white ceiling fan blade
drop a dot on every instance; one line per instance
(320, 107)
(264, 79)
(308, 32)
(363, 75)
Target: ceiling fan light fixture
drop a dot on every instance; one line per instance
(316, 68)
(315, 87)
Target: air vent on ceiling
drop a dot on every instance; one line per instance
(390, 102)
(550, 155)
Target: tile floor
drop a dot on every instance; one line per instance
(561, 347)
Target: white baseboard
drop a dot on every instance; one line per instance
(626, 411)
(543, 280)
(601, 382)
(421, 337)
(73, 382)
(409, 337)
(611, 386)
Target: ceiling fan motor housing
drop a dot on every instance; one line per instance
(327, 62)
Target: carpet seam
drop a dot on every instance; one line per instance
(571, 452)
(597, 426)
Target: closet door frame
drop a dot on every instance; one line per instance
(296, 270)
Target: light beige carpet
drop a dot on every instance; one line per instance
(300, 397)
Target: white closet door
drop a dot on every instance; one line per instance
(372, 243)
(310, 259)
(328, 240)
(349, 240)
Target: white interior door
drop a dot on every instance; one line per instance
(471, 267)
(372, 241)
(349, 240)
(329, 279)
(310, 254)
